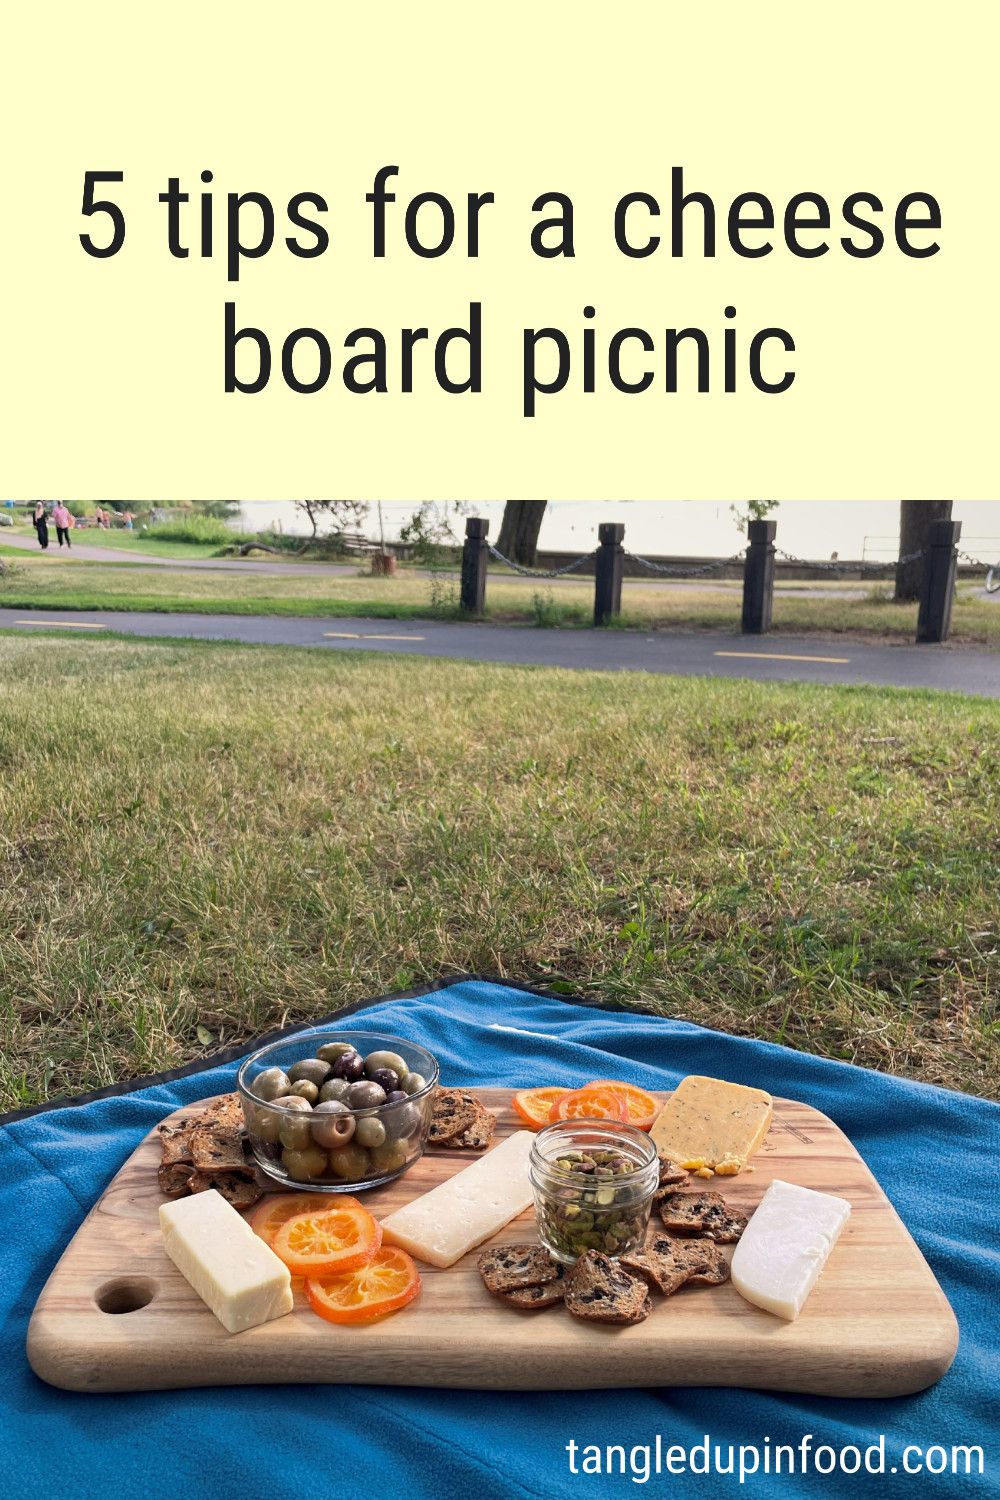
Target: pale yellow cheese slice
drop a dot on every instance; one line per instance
(468, 1208)
(232, 1270)
(709, 1126)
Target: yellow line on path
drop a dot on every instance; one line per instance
(370, 635)
(837, 661)
(64, 624)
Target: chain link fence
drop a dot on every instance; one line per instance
(992, 571)
(569, 567)
(977, 563)
(679, 570)
(863, 570)
(703, 570)
(936, 585)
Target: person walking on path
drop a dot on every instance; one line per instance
(64, 523)
(41, 524)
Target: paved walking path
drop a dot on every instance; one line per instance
(93, 552)
(768, 659)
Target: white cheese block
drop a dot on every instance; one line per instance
(448, 1221)
(232, 1270)
(785, 1247)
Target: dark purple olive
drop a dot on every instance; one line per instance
(395, 1096)
(365, 1094)
(387, 1078)
(349, 1065)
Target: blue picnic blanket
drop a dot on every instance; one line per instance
(935, 1153)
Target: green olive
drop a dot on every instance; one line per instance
(332, 1125)
(303, 1089)
(330, 1051)
(334, 1088)
(401, 1121)
(312, 1069)
(294, 1134)
(306, 1163)
(376, 1060)
(265, 1125)
(389, 1158)
(350, 1162)
(412, 1083)
(270, 1084)
(370, 1132)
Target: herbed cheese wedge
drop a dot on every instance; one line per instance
(709, 1125)
(785, 1247)
(470, 1207)
(232, 1270)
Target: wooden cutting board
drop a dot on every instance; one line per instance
(116, 1315)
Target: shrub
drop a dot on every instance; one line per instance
(445, 599)
(190, 529)
(545, 612)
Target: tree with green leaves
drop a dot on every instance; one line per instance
(343, 515)
(745, 511)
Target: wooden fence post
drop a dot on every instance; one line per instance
(758, 577)
(937, 584)
(475, 555)
(608, 568)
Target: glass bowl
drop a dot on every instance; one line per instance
(325, 1143)
(604, 1206)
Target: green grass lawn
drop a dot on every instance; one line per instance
(123, 542)
(135, 541)
(149, 544)
(64, 584)
(231, 838)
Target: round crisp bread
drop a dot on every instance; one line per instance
(452, 1113)
(509, 1268)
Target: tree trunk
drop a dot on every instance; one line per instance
(915, 520)
(311, 511)
(518, 539)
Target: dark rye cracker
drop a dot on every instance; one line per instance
(601, 1291)
(510, 1268)
(452, 1113)
(667, 1264)
(704, 1214)
(715, 1270)
(478, 1135)
(460, 1122)
(175, 1141)
(224, 1112)
(670, 1175)
(239, 1191)
(206, 1150)
(534, 1298)
(174, 1178)
(217, 1148)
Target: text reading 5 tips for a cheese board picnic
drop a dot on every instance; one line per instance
(407, 224)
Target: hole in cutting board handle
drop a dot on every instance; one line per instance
(125, 1295)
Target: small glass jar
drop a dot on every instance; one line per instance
(593, 1182)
